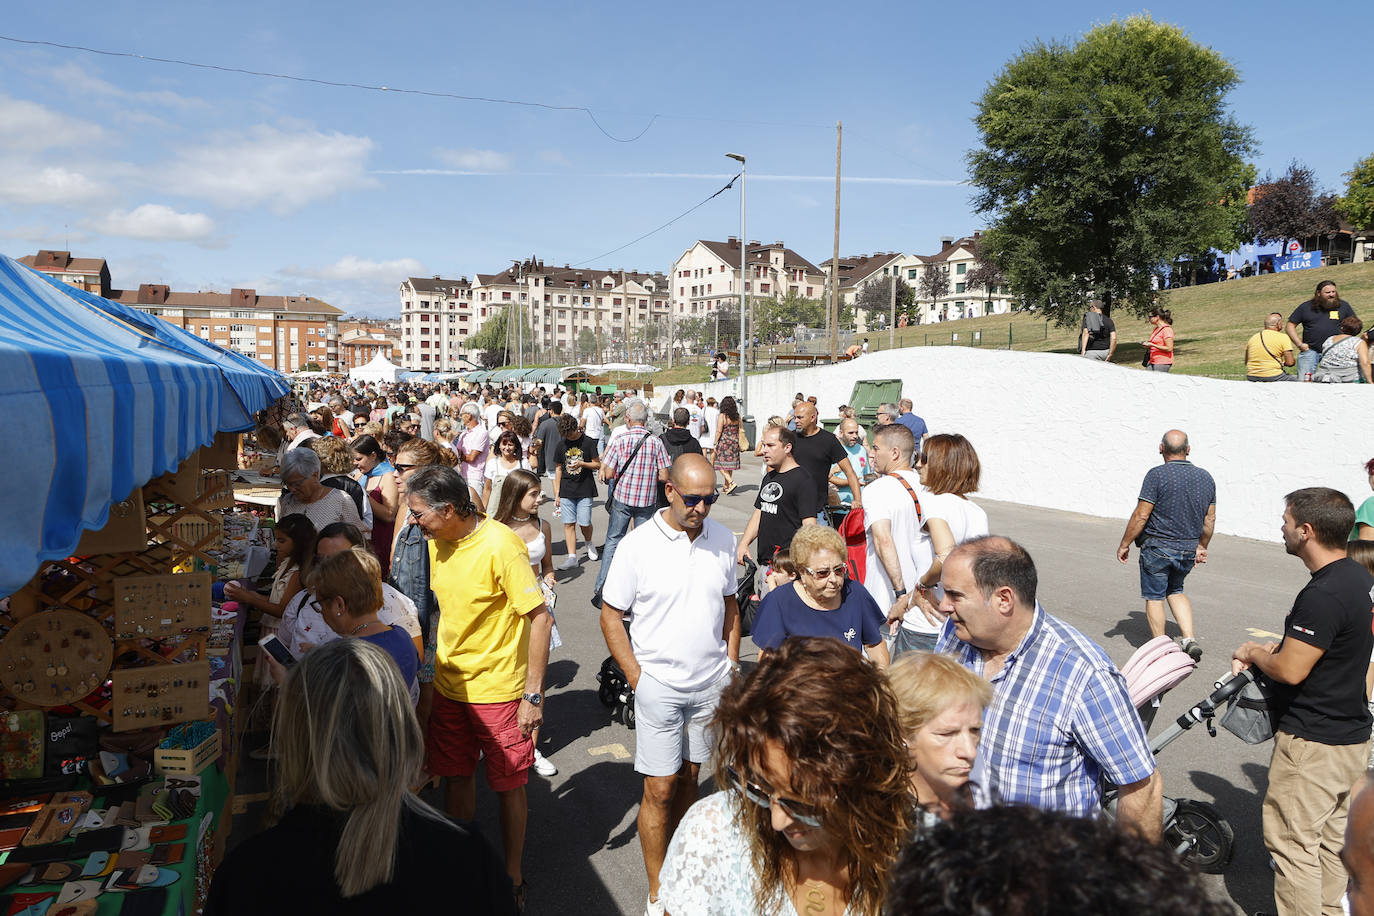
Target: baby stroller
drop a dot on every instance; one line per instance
(1195, 830)
(615, 692)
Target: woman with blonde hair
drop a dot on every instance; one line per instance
(823, 601)
(816, 802)
(358, 839)
(445, 430)
(940, 703)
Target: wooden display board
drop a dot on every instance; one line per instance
(160, 695)
(55, 658)
(157, 607)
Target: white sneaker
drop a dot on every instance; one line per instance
(592, 554)
(653, 907)
(569, 562)
(543, 765)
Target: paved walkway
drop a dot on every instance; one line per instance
(582, 854)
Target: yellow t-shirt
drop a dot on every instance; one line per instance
(1261, 364)
(485, 588)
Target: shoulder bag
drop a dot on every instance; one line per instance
(610, 494)
(1282, 367)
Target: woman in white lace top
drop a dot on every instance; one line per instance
(815, 802)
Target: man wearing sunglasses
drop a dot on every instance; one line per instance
(676, 575)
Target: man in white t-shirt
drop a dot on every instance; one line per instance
(694, 409)
(710, 416)
(676, 573)
(894, 560)
(593, 420)
(490, 412)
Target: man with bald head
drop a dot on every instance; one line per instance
(675, 576)
(816, 450)
(1172, 525)
(1061, 717)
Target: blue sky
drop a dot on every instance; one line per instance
(211, 180)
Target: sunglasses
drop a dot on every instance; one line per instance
(801, 812)
(402, 468)
(825, 572)
(690, 500)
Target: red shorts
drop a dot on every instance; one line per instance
(457, 731)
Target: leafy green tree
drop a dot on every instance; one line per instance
(311, 367)
(1104, 160)
(776, 318)
(984, 274)
(1357, 206)
(1292, 207)
(586, 344)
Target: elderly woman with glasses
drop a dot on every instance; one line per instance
(822, 602)
(816, 805)
(300, 474)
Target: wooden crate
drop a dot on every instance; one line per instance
(179, 762)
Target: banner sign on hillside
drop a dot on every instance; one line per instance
(1304, 261)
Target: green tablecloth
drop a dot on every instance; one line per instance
(201, 842)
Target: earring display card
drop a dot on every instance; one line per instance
(160, 694)
(156, 607)
(55, 657)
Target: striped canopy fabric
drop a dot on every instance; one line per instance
(97, 403)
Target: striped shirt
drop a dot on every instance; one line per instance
(636, 485)
(1060, 719)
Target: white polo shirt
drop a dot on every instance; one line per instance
(675, 589)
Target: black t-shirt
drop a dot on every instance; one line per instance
(1317, 323)
(816, 453)
(1334, 612)
(577, 483)
(677, 442)
(784, 500)
(289, 869)
(1100, 330)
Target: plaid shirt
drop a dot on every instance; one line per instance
(637, 485)
(1060, 718)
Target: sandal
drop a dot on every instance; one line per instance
(520, 897)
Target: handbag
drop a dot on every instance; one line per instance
(1250, 716)
(1145, 360)
(743, 439)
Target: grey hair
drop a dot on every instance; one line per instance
(297, 420)
(890, 409)
(337, 399)
(471, 409)
(637, 412)
(301, 461)
(437, 486)
(347, 738)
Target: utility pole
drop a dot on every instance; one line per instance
(743, 287)
(892, 319)
(833, 318)
(596, 306)
(668, 294)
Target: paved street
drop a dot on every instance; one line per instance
(583, 854)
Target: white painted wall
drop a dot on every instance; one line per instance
(1064, 432)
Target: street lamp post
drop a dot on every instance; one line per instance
(743, 295)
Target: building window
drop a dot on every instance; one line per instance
(505, 295)
(959, 287)
(809, 290)
(911, 273)
(764, 287)
(961, 269)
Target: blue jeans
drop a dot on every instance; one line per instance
(1163, 569)
(1307, 362)
(620, 517)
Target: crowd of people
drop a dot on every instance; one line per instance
(915, 717)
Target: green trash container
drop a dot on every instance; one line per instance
(750, 430)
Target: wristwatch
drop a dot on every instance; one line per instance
(898, 593)
(534, 699)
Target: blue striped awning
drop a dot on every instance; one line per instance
(96, 404)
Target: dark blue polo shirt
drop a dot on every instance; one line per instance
(1181, 493)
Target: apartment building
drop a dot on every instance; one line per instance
(706, 275)
(282, 332)
(89, 274)
(362, 341)
(438, 316)
(857, 271)
(960, 300)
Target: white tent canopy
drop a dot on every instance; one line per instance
(380, 369)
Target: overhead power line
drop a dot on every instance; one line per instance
(370, 87)
(697, 206)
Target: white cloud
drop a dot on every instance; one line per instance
(31, 127)
(52, 185)
(83, 82)
(553, 157)
(156, 222)
(351, 269)
(264, 165)
(478, 160)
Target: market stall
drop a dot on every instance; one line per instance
(119, 668)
